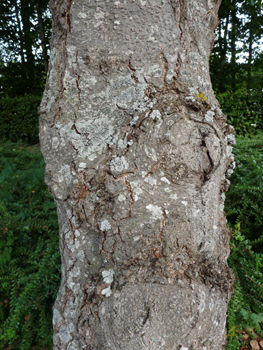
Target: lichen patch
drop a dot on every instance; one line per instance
(105, 225)
(155, 210)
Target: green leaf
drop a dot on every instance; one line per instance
(5, 255)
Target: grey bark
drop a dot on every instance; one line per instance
(137, 153)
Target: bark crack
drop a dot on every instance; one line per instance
(72, 230)
(128, 186)
(165, 66)
(79, 90)
(103, 241)
(74, 128)
(152, 170)
(68, 15)
(133, 70)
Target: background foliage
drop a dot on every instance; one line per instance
(244, 110)
(244, 214)
(29, 250)
(25, 29)
(19, 118)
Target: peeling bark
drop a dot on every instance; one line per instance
(137, 157)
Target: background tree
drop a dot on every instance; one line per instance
(137, 153)
(23, 26)
(236, 45)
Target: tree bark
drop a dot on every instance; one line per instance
(137, 153)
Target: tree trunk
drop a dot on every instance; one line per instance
(42, 35)
(137, 153)
(233, 44)
(28, 42)
(223, 55)
(21, 42)
(249, 58)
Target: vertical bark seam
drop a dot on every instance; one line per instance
(68, 15)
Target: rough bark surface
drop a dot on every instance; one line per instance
(137, 154)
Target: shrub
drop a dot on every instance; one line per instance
(19, 118)
(243, 109)
(29, 250)
(244, 214)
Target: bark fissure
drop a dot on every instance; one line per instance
(68, 15)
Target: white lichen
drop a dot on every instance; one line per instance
(164, 179)
(107, 292)
(190, 98)
(151, 153)
(108, 276)
(229, 151)
(134, 120)
(66, 173)
(229, 172)
(209, 116)
(156, 115)
(137, 191)
(105, 225)
(155, 211)
(150, 180)
(64, 332)
(174, 196)
(169, 76)
(56, 317)
(81, 255)
(167, 189)
(121, 198)
(119, 164)
(230, 139)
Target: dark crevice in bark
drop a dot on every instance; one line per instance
(208, 170)
(152, 170)
(128, 186)
(68, 15)
(177, 65)
(165, 67)
(146, 317)
(72, 230)
(103, 241)
(79, 90)
(76, 130)
(133, 76)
